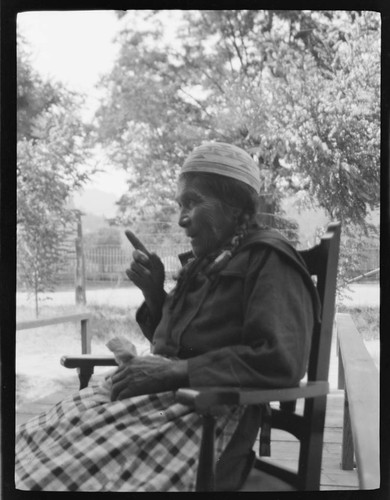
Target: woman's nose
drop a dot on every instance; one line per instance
(184, 219)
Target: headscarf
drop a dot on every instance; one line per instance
(224, 159)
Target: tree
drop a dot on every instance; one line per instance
(40, 257)
(105, 236)
(299, 90)
(52, 161)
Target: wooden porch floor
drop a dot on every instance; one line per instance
(284, 448)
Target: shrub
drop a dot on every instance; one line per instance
(366, 319)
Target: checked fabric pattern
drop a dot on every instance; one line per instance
(88, 443)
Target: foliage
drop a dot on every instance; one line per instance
(354, 240)
(52, 161)
(34, 96)
(299, 90)
(335, 140)
(366, 319)
(40, 257)
(105, 236)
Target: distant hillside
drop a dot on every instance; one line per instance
(92, 223)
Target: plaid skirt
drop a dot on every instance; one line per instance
(88, 443)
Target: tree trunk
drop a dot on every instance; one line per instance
(80, 266)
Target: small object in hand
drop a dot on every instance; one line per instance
(123, 349)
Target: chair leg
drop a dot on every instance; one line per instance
(312, 445)
(205, 480)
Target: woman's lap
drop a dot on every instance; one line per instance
(88, 443)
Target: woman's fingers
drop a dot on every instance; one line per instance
(119, 382)
(139, 269)
(141, 258)
(117, 390)
(137, 244)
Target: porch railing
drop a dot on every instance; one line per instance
(359, 377)
(83, 318)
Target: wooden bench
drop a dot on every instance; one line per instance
(359, 377)
(79, 317)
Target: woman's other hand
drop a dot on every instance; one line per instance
(148, 375)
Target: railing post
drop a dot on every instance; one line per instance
(85, 337)
(347, 452)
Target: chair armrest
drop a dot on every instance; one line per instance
(88, 361)
(205, 399)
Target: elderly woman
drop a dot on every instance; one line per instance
(241, 314)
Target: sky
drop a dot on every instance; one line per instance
(76, 47)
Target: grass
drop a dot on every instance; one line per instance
(105, 320)
(366, 319)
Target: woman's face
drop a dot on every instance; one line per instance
(204, 218)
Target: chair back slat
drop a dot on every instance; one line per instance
(322, 262)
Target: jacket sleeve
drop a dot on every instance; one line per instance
(146, 321)
(276, 332)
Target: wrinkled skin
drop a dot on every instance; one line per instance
(206, 221)
(209, 224)
(148, 375)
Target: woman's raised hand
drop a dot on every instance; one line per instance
(146, 271)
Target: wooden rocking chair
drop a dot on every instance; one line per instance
(308, 428)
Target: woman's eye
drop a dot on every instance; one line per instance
(191, 203)
(188, 203)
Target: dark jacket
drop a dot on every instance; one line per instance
(250, 328)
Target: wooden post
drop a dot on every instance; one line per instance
(80, 265)
(85, 337)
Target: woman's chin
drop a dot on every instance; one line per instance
(198, 250)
